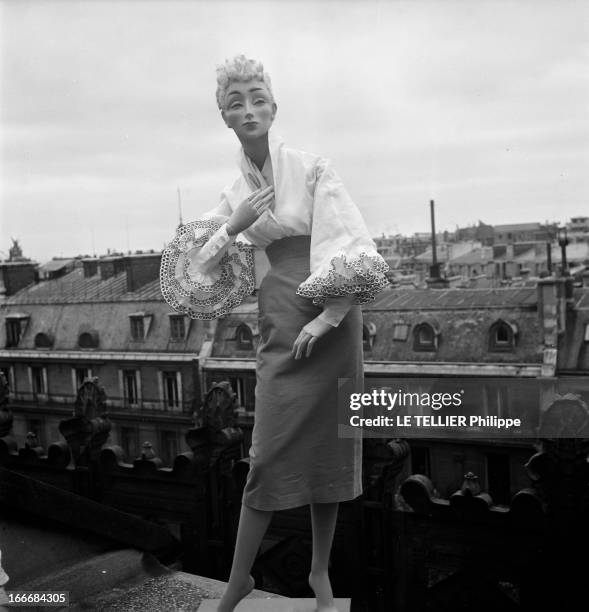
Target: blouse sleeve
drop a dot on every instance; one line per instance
(344, 260)
(204, 272)
(335, 309)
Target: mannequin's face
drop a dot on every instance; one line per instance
(249, 110)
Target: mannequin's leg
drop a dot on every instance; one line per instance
(323, 519)
(252, 527)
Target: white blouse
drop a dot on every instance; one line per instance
(309, 199)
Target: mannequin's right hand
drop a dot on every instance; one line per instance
(249, 210)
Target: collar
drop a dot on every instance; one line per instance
(252, 175)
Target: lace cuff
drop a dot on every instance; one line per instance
(195, 281)
(361, 277)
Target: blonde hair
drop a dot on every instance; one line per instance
(240, 68)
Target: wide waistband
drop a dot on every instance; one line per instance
(290, 249)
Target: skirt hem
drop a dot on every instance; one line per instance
(328, 497)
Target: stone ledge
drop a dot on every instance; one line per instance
(275, 605)
(175, 591)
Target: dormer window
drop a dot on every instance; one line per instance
(425, 337)
(140, 324)
(13, 333)
(16, 325)
(43, 340)
(177, 327)
(137, 328)
(502, 336)
(88, 340)
(400, 331)
(244, 337)
(368, 335)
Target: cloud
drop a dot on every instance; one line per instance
(107, 108)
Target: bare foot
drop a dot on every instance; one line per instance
(234, 594)
(321, 586)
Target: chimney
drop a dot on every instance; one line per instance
(563, 242)
(90, 267)
(434, 270)
(142, 269)
(110, 266)
(15, 275)
(435, 280)
(552, 307)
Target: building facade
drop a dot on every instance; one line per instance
(103, 318)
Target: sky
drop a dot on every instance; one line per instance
(107, 108)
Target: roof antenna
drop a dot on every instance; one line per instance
(127, 233)
(180, 224)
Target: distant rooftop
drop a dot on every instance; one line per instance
(74, 288)
(517, 227)
(426, 299)
(476, 256)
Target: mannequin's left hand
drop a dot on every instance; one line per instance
(303, 345)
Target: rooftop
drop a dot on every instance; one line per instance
(74, 288)
(454, 299)
(98, 574)
(476, 256)
(517, 227)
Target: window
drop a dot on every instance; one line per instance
(140, 324)
(238, 386)
(425, 338)
(244, 337)
(79, 375)
(88, 340)
(496, 400)
(43, 340)
(137, 328)
(171, 389)
(130, 387)
(177, 327)
(5, 370)
(16, 325)
(129, 443)
(400, 331)
(502, 336)
(245, 390)
(12, 333)
(38, 376)
(168, 447)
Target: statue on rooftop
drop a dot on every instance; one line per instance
(15, 251)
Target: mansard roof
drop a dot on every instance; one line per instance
(110, 321)
(454, 299)
(74, 288)
(225, 344)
